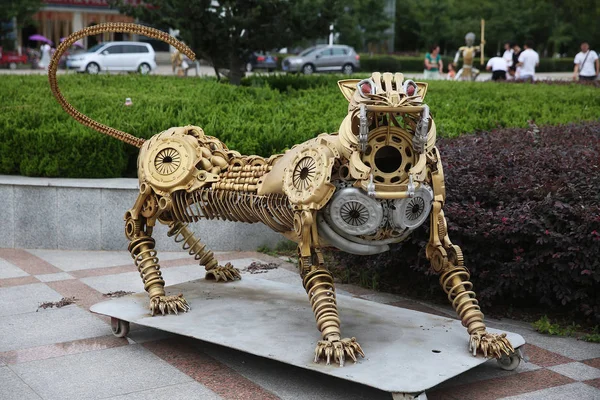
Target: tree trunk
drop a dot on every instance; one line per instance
(235, 71)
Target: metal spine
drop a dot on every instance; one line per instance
(181, 234)
(274, 210)
(455, 283)
(145, 259)
(321, 294)
(95, 30)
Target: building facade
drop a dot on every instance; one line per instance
(59, 18)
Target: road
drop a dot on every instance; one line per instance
(205, 70)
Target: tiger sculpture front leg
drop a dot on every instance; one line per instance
(447, 260)
(318, 283)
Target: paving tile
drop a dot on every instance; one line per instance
(77, 260)
(8, 270)
(206, 370)
(129, 267)
(492, 389)
(48, 327)
(577, 371)
(183, 391)
(594, 362)
(12, 387)
(242, 263)
(271, 274)
(59, 276)
(543, 357)
(568, 347)
(99, 374)
(579, 391)
(25, 299)
(85, 296)
(25, 280)
(593, 382)
(61, 349)
(131, 281)
(485, 371)
(28, 262)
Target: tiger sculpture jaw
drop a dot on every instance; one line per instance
(358, 190)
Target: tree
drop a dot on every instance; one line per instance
(362, 23)
(226, 32)
(22, 10)
(555, 26)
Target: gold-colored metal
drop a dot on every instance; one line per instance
(368, 185)
(181, 234)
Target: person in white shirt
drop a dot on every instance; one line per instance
(498, 66)
(528, 60)
(508, 54)
(587, 66)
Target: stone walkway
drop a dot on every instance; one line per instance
(70, 353)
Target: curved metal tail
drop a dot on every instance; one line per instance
(95, 30)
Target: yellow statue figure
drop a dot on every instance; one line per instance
(467, 72)
(359, 190)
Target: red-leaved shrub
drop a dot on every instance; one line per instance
(524, 205)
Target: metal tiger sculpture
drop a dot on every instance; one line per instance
(359, 190)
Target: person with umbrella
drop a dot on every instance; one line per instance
(44, 50)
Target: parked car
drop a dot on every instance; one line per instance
(10, 59)
(114, 56)
(259, 60)
(337, 58)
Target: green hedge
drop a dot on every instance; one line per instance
(415, 64)
(270, 114)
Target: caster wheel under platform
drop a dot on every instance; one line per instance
(119, 327)
(511, 362)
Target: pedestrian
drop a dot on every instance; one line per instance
(587, 66)
(433, 63)
(508, 54)
(514, 70)
(498, 67)
(528, 60)
(45, 58)
(451, 72)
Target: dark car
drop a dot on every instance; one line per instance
(260, 60)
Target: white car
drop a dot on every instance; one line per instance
(114, 56)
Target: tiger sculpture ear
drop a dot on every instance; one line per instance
(348, 88)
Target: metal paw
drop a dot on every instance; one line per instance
(338, 350)
(225, 273)
(168, 305)
(492, 345)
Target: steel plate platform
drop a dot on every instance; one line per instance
(407, 352)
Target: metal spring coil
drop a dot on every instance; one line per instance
(95, 30)
(319, 286)
(455, 283)
(145, 259)
(181, 234)
(273, 210)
